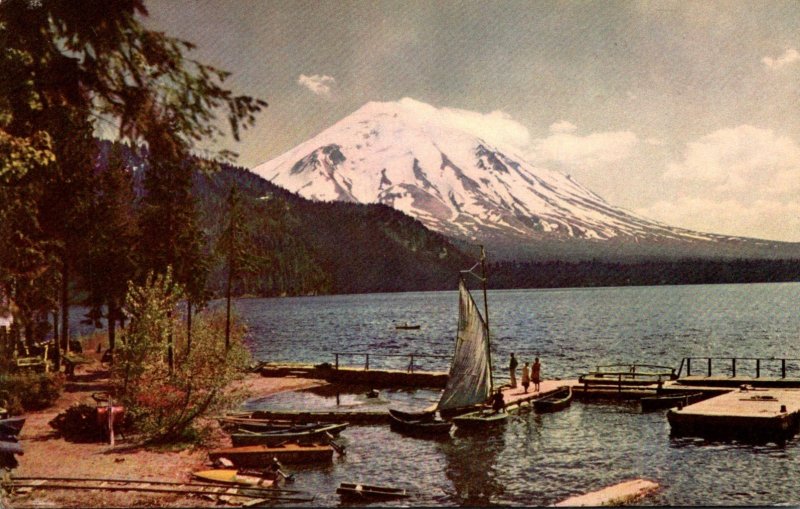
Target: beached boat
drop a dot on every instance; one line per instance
(259, 456)
(10, 447)
(12, 425)
(353, 492)
(238, 477)
(274, 437)
(559, 400)
(661, 402)
(425, 428)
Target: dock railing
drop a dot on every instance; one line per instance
(756, 367)
(415, 360)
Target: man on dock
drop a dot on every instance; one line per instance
(536, 374)
(512, 368)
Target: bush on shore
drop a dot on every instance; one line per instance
(166, 404)
(30, 391)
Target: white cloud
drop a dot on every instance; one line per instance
(744, 159)
(738, 181)
(318, 84)
(496, 127)
(789, 56)
(563, 126)
(591, 151)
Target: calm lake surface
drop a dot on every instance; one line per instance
(541, 459)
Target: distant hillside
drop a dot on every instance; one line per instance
(319, 248)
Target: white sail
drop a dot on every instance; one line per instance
(470, 382)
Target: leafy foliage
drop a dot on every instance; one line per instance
(164, 405)
(30, 391)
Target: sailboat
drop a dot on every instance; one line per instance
(469, 383)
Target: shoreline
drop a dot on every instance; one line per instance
(48, 455)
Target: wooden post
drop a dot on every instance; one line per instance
(758, 368)
(411, 365)
(337, 360)
(688, 366)
(709, 366)
(733, 366)
(783, 368)
(366, 365)
(110, 421)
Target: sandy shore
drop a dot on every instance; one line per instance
(47, 455)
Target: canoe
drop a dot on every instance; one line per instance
(422, 415)
(480, 419)
(559, 400)
(274, 437)
(260, 456)
(353, 492)
(233, 476)
(405, 326)
(265, 427)
(669, 401)
(420, 428)
(12, 425)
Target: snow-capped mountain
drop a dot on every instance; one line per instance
(454, 182)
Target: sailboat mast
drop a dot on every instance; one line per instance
(486, 316)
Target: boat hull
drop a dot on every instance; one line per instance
(480, 419)
(12, 425)
(430, 428)
(663, 402)
(424, 415)
(353, 492)
(555, 402)
(319, 433)
(232, 476)
(260, 456)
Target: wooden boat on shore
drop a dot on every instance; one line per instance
(275, 437)
(238, 477)
(353, 492)
(661, 402)
(258, 456)
(480, 419)
(559, 400)
(426, 428)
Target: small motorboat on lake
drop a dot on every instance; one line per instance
(406, 326)
(559, 400)
(353, 492)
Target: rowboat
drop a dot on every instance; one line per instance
(559, 400)
(236, 477)
(421, 428)
(353, 492)
(669, 401)
(424, 415)
(406, 326)
(275, 437)
(259, 456)
(12, 425)
(480, 419)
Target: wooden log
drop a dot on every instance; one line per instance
(619, 494)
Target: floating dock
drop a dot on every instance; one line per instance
(760, 415)
(358, 375)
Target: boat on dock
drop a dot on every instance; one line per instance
(422, 428)
(661, 402)
(275, 437)
(258, 456)
(353, 492)
(556, 401)
(238, 477)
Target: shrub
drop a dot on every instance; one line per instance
(30, 391)
(166, 405)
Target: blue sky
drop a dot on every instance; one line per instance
(685, 112)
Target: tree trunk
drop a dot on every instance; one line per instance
(188, 326)
(112, 330)
(65, 303)
(170, 353)
(56, 343)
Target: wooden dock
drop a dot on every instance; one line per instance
(761, 415)
(516, 397)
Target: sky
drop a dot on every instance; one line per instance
(683, 112)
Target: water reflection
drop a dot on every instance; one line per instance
(472, 466)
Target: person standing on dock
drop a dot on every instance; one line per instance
(536, 374)
(526, 377)
(512, 368)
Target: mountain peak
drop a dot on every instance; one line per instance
(440, 166)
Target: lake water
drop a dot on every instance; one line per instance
(541, 459)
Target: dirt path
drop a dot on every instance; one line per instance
(47, 455)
